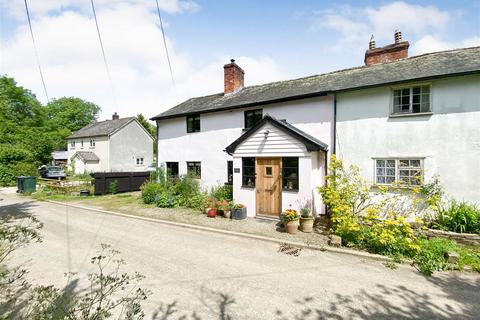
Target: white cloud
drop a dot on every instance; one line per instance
(431, 43)
(73, 66)
(356, 24)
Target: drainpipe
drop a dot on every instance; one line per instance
(334, 149)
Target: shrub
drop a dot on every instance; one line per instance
(113, 187)
(458, 217)
(221, 193)
(150, 191)
(433, 255)
(392, 237)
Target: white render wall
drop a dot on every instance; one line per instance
(101, 149)
(127, 144)
(220, 129)
(449, 140)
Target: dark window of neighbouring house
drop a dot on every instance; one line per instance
(194, 169)
(230, 172)
(72, 145)
(411, 100)
(252, 117)
(248, 172)
(290, 173)
(193, 123)
(172, 169)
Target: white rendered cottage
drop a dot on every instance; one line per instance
(398, 118)
(117, 145)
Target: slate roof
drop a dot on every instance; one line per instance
(86, 156)
(422, 67)
(102, 128)
(59, 155)
(311, 143)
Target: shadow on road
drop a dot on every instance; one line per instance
(17, 210)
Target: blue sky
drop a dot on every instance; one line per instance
(271, 40)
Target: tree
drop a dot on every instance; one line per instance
(150, 128)
(71, 113)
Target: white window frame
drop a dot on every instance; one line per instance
(398, 169)
(72, 144)
(92, 143)
(410, 109)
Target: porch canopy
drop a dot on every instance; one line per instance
(311, 144)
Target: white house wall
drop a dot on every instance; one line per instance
(127, 144)
(101, 149)
(449, 140)
(219, 129)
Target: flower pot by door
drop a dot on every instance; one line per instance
(291, 226)
(212, 213)
(306, 224)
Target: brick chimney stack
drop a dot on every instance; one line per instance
(115, 116)
(233, 77)
(388, 53)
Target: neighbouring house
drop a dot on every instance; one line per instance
(60, 158)
(117, 145)
(400, 119)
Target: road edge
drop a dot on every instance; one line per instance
(361, 254)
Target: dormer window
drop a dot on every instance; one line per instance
(414, 99)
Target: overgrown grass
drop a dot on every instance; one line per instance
(458, 216)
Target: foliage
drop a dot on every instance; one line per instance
(113, 187)
(110, 293)
(150, 128)
(221, 193)
(392, 237)
(236, 206)
(433, 255)
(306, 208)
(182, 192)
(29, 131)
(291, 214)
(458, 217)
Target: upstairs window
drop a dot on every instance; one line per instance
(290, 174)
(92, 143)
(193, 123)
(194, 169)
(411, 100)
(252, 117)
(139, 161)
(248, 172)
(81, 144)
(172, 169)
(407, 172)
(72, 145)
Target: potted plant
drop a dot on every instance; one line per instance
(291, 220)
(306, 217)
(224, 208)
(239, 211)
(211, 207)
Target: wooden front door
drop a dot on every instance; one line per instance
(269, 186)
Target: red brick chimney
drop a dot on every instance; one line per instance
(115, 116)
(391, 52)
(233, 77)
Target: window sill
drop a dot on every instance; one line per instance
(417, 114)
(289, 190)
(395, 187)
(249, 187)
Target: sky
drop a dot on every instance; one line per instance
(271, 40)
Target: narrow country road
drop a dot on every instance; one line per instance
(196, 269)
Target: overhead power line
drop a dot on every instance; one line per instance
(103, 54)
(36, 51)
(165, 45)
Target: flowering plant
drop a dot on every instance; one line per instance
(291, 214)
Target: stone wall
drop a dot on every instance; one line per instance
(465, 238)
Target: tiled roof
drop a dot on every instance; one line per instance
(86, 156)
(102, 128)
(426, 66)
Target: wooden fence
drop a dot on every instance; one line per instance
(125, 181)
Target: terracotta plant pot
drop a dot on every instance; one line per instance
(306, 224)
(291, 226)
(212, 213)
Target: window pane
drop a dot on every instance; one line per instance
(252, 117)
(248, 172)
(290, 173)
(389, 180)
(391, 171)
(415, 163)
(380, 163)
(403, 163)
(416, 90)
(380, 171)
(391, 163)
(380, 180)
